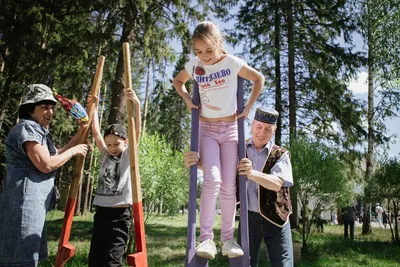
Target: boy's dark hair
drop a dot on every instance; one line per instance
(117, 130)
(24, 111)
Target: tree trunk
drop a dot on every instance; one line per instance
(3, 113)
(57, 180)
(366, 227)
(91, 188)
(370, 154)
(17, 118)
(390, 220)
(305, 227)
(88, 182)
(396, 224)
(117, 109)
(146, 98)
(294, 220)
(278, 90)
(4, 102)
(292, 89)
(160, 207)
(79, 201)
(2, 61)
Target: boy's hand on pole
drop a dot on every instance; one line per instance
(93, 99)
(131, 95)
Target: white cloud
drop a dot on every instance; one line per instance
(359, 85)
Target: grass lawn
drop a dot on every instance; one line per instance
(166, 243)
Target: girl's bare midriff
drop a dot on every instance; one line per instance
(226, 119)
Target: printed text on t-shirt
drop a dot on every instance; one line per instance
(216, 79)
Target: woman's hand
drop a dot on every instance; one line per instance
(81, 129)
(79, 150)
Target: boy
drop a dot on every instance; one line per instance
(113, 197)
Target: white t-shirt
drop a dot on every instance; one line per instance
(217, 85)
(114, 183)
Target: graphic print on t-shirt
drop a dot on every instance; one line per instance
(212, 84)
(110, 179)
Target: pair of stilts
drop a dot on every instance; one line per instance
(192, 260)
(67, 250)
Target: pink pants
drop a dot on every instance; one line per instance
(219, 156)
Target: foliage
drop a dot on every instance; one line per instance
(168, 108)
(45, 43)
(378, 24)
(319, 177)
(385, 184)
(163, 175)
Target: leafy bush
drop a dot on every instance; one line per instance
(164, 179)
(319, 176)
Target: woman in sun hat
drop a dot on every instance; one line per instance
(31, 164)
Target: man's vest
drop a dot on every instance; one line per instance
(273, 206)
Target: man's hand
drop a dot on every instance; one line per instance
(245, 167)
(191, 158)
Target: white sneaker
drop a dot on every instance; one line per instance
(232, 249)
(206, 249)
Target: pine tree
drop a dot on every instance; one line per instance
(314, 97)
(168, 107)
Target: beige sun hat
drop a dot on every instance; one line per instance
(34, 93)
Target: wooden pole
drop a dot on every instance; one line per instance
(138, 259)
(65, 249)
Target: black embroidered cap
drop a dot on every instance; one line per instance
(267, 115)
(117, 130)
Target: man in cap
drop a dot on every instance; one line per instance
(269, 172)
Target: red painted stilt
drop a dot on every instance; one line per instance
(139, 258)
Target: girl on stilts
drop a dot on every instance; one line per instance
(216, 73)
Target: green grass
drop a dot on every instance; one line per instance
(330, 249)
(166, 244)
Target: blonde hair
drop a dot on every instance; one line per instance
(208, 32)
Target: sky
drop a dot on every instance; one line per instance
(359, 86)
